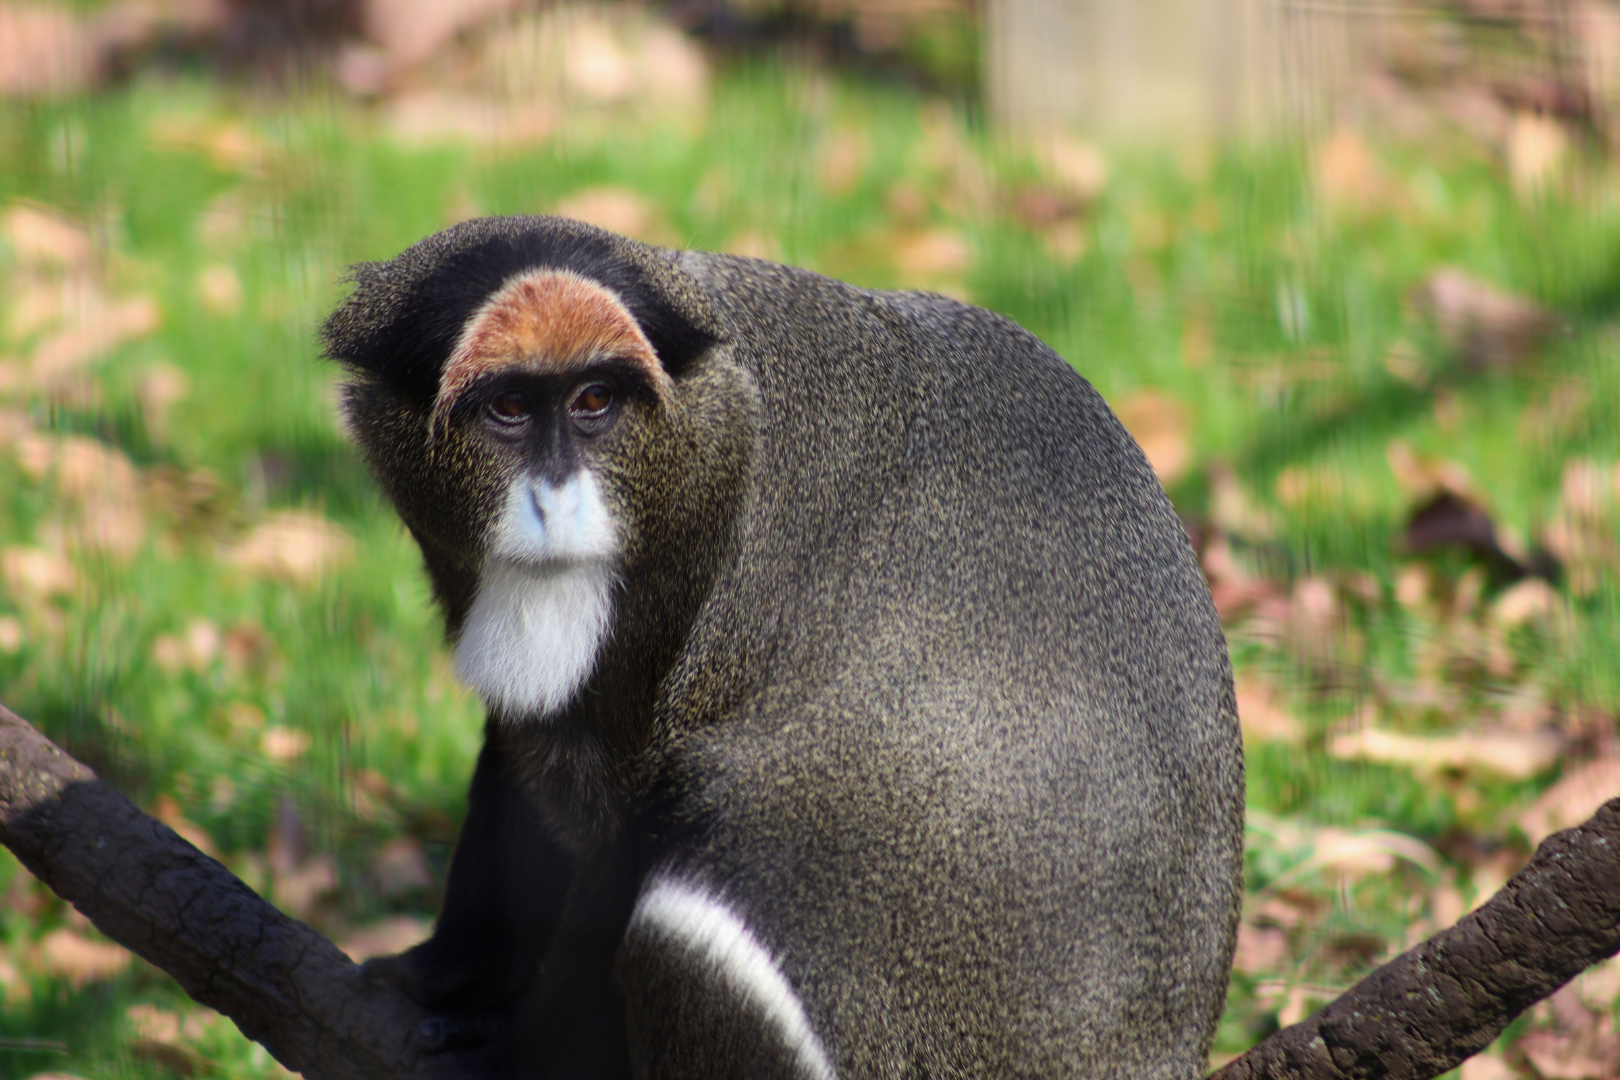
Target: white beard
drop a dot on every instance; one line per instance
(545, 598)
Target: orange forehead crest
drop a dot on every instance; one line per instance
(546, 322)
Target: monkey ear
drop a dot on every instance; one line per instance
(405, 316)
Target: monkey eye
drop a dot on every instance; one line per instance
(590, 404)
(511, 407)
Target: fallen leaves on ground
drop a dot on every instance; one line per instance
(64, 953)
(616, 209)
(1159, 424)
(1573, 799)
(284, 745)
(164, 1036)
(166, 808)
(1569, 1040)
(1484, 327)
(400, 867)
(1584, 532)
(298, 546)
(934, 258)
(100, 488)
(1517, 755)
(1262, 715)
(385, 937)
(1349, 177)
(42, 237)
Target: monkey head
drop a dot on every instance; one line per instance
(543, 452)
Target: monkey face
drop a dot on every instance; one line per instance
(568, 450)
(540, 386)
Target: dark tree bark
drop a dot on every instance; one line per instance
(292, 990)
(1434, 1005)
(142, 885)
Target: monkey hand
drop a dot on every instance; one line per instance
(431, 974)
(463, 1020)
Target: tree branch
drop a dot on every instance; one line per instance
(1426, 1010)
(292, 990)
(142, 885)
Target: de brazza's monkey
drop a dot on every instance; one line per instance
(856, 707)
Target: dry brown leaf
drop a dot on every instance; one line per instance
(39, 236)
(1483, 326)
(1526, 601)
(14, 989)
(1563, 410)
(219, 289)
(230, 144)
(931, 256)
(1421, 477)
(82, 468)
(1537, 149)
(1573, 799)
(1232, 509)
(1078, 166)
(1517, 755)
(841, 161)
(433, 116)
(35, 574)
(1261, 950)
(194, 650)
(616, 209)
(1346, 855)
(111, 326)
(598, 64)
(1300, 485)
(1599, 985)
(410, 31)
(167, 810)
(159, 388)
(152, 1024)
(1348, 175)
(298, 890)
(1159, 424)
(1486, 1066)
(752, 244)
(284, 745)
(1236, 593)
(400, 867)
(1589, 490)
(295, 545)
(385, 937)
(1066, 241)
(1580, 1044)
(102, 485)
(67, 954)
(1287, 908)
(1446, 906)
(1263, 717)
(44, 50)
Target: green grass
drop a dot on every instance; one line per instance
(1291, 308)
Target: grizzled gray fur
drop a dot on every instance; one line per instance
(911, 748)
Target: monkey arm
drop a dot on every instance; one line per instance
(505, 894)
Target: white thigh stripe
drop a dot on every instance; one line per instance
(706, 927)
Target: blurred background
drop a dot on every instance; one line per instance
(1349, 271)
